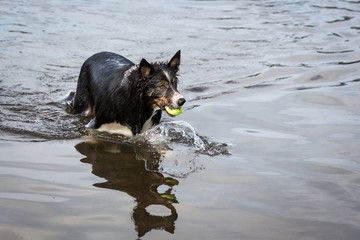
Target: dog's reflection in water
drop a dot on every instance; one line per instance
(133, 168)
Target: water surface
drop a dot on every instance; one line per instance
(267, 146)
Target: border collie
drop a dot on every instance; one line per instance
(123, 97)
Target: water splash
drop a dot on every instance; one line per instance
(181, 147)
(172, 147)
(181, 132)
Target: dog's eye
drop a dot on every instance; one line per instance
(163, 85)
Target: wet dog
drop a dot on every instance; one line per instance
(123, 97)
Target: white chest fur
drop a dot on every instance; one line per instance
(117, 128)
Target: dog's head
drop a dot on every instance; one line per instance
(161, 84)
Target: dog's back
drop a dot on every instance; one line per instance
(95, 79)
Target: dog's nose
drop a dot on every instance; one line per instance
(181, 101)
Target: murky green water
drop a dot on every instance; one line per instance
(267, 146)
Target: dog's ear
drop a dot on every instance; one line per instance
(175, 61)
(145, 69)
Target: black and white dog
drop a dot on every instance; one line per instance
(123, 97)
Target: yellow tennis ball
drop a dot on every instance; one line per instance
(173, 111)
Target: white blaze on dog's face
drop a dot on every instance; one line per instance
(176, 99)
(173, 85)
(167, 75)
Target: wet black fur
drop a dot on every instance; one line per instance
(118, 91)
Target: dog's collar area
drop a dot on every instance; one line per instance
(149, 123)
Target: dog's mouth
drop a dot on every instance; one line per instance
(173, 111)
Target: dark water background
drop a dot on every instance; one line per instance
(268, 145)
